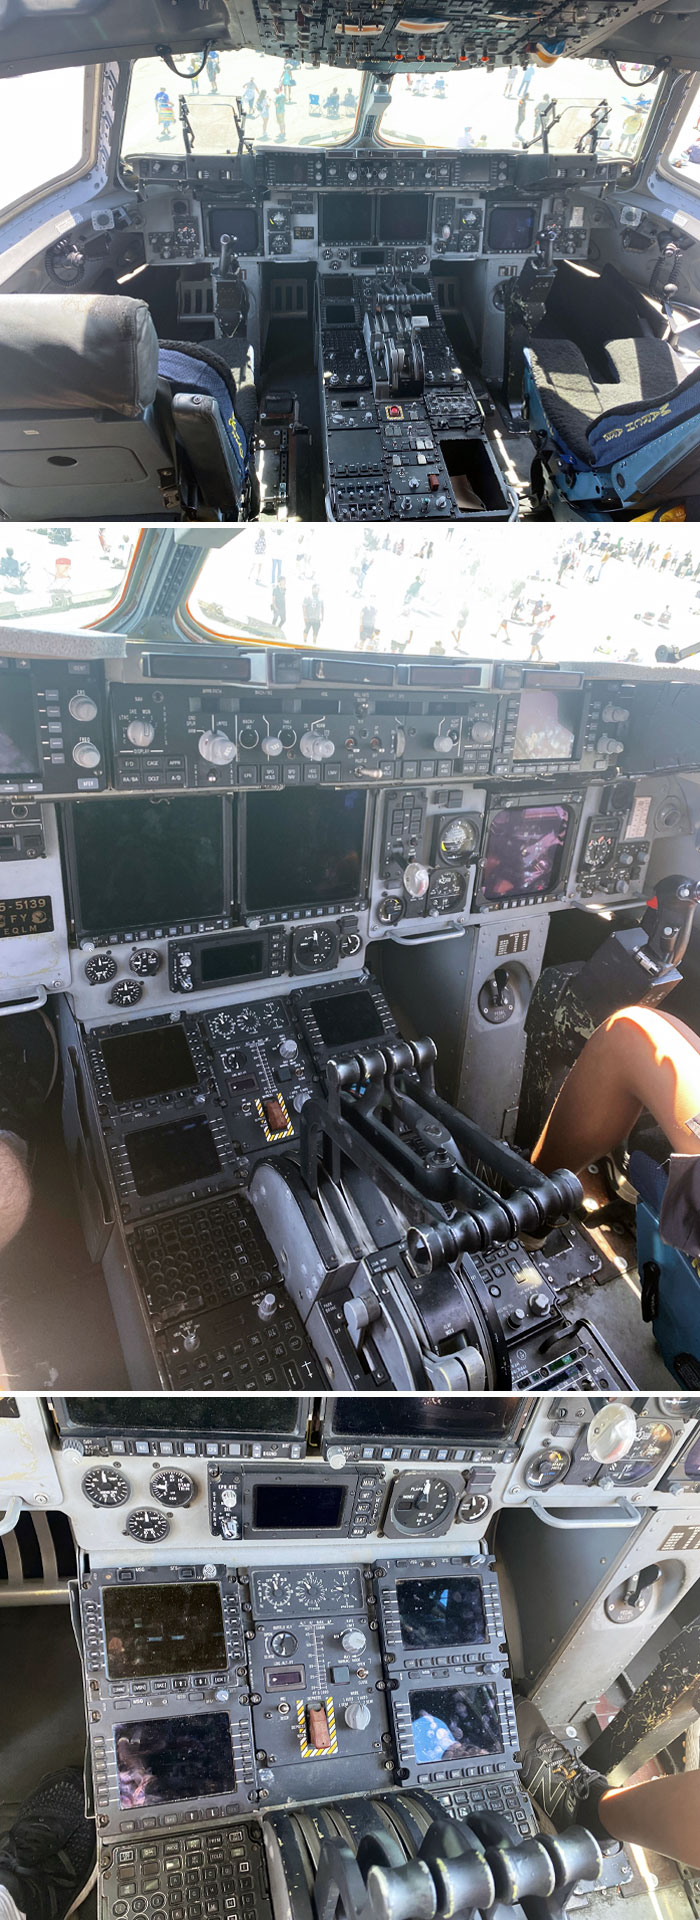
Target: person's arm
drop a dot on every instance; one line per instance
(663, 1816)
(15, 1192)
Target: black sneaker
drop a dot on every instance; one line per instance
(48, 1858)
(566, 1790)
(28, 1066)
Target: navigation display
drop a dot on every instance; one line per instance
(140, 1065)
(346, 216)
(547, 725)
(442, 1613)
(145, 863)
(455, 1723)
(18, 753)
(175, 1156)
(511, 229)
(305, 850)
(403, 216)
(462, 1421)
(349, 1017)
(161, 1630)
(524, 850)
(174, 1759)
(181, 1413)
(297, 1505)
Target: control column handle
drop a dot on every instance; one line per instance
(669, 918)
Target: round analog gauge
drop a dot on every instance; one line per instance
(446, 892)
(283, 1645)
(248, 1021)
(690, 1467)
(458, 840)
(315, 949)
(234, 1060)
(311, 1591)
(145, 961)
(65, 262)
(652, 1443)
(684, 1404)
(147, 1524)
(127, 993)
(106, 1487)
(172, 1488)
(547, 1467)
(342, 1589)
(100, 968)
(274, 1592)
(391, 909)
(422, 1503)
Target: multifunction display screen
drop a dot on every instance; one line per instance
(474, 1424)
(306, 851)
(455, 1723)
(346, 217)
(181, 1413)
(297, 1505)
(145, 863)
(524, 850)
(547, 725)
(161, 1630)
(175, 1156)
(140, 1065)
(18, 751)
(347, 1018)
(185, 1758)
(442, 1613)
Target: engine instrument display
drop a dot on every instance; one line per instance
(463, 1421)
(454, 1723)
(161, 1158)
(524, 851)
(161, 1630)
(179, 871)
(308, 854)
(159, 1761)
(445, 1612)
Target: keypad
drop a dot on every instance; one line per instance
(188, 1876)
(494, 1796)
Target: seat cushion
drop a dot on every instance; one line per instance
(199, 368)
(657, 390)
(76, 352)
(567, 393)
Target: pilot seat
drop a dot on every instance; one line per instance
(670, 1278)
(99, 420)
(631, 439)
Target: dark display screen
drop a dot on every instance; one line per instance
(140, 1065)
(241, 225)
(455, 1723)
(180, 1413)
(691, 1464)
(160, 1630)
(547, 725)
(511, 229)
(403, 216)
(464, 1423)
(175, 1156)
(340, 313)
(349, 1017)
(148, 862)
(346, 216)
(231, 960)
(18, 752)
(175, 1759)
(524, 850)
(304, 849)
(442, 1613)
(297, 1505)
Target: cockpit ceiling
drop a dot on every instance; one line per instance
(349, 33)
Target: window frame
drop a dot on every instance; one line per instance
(92, 94)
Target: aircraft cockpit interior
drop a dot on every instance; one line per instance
(352, 263)
(319, 932)
(295, 1641)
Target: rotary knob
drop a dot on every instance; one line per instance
(336, 1458)
(607, 744)
(86, 755)
(217, 748)
(616, 715)
(248, 736)
(272, 746)
(353, 1641)
(538, 1303)
(140, 732)
(416, 880)
(357, 1715)
(316, 746)
(482, 733)
(288, 1049)
(444, 743)
(82, 707)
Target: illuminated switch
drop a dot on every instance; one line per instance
(318, 1728)
(275, 1116)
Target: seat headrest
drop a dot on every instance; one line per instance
(68, 352)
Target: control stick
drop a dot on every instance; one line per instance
(669, 919)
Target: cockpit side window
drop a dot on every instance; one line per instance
(48, 133)
(682, 158)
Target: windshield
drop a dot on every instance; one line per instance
(65, 577)
(684, 155)
(462, 595)
(43, 132)
(575, 106)
(283, 104)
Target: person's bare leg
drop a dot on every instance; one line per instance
(15, 1191)
(638, 1059)
(663, 1816)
